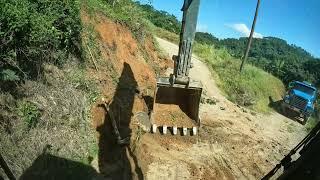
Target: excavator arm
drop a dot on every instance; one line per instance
(183, 60)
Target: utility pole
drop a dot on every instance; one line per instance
(250, 36)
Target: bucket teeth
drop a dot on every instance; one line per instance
(154, 128)
(164, 129)
(184, 131)
(194, 131)
(174, 130)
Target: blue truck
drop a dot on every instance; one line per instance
(301, 99)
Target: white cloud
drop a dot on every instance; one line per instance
(244, 30)
(202, 27)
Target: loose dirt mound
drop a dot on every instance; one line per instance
(171, 115)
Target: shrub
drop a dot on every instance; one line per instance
(9, 75)
(122, 11)
(37, 31)
(29, 112)
(161, 19)
(172, 37)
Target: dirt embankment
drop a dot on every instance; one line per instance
(125, 75)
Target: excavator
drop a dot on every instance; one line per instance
(177, 97)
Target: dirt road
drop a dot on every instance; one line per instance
(234, 143)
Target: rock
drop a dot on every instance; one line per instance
(202, 100)
(208, 100)
(143, 121)
(211, 101)
(253, 113)
(222, 108)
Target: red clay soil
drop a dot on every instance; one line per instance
(124, 49)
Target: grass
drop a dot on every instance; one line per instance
(91, 50)
(251, 88)
(29, 112)
(55, 115)
(164, 34)
(124, 12)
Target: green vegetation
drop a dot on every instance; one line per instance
(206, 38)
(29, 112)
(124, 11)
(161, 19)
(34, 32)
(45, 97)
(45, 51)
(274, 55)
(172, 37)
(45, 93)
(252, 88)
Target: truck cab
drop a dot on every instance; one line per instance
(300, 98)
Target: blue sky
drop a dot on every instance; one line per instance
(296, 21)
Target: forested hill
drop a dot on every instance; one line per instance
(161, 19)
(275, 55)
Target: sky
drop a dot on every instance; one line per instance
(296, 21)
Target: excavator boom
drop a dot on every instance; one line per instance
(188, 29)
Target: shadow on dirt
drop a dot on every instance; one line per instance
(304, 166)
(277, 106)
(149, 102)
(114, 159)
(47, 166)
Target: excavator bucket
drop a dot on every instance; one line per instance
(176, 108)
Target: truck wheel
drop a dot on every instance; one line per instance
(305, 119)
